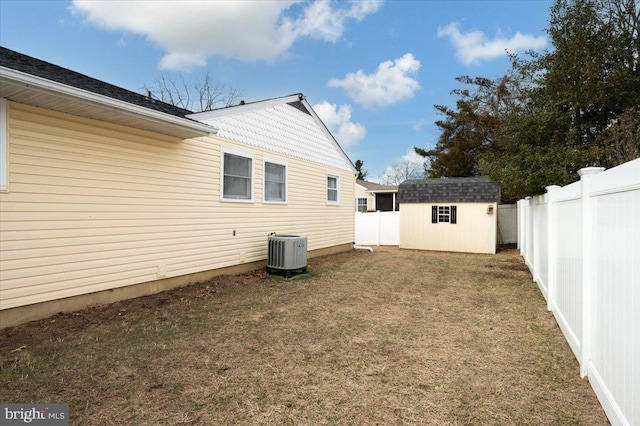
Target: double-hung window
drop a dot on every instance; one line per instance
(332, 189)
(361, 204)
(275, 182)
(444, 214)
(237, 177)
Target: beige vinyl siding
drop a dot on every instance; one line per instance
(360, 193)
(474, 232)
(93, 206)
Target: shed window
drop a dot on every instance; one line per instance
(237, 176)
(444, 214)
(275, 182)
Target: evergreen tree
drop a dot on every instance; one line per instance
(362, 174)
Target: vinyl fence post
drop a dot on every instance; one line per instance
(552, 245)
(589, 267)
(379, 227)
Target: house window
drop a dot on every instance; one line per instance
(237, 176)
(444, 214)
(361, 204)
(275, 182)
(332, 190)
(3, 144)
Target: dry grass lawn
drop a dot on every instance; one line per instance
(390, 337)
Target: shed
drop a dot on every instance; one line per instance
(449, 214)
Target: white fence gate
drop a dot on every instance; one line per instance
(507, 223)
(582, 245)
(378, 228)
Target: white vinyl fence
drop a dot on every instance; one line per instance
(377, 228)
(582, 245)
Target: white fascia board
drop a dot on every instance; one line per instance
(329, 135)
(382, 191)
(43, 85)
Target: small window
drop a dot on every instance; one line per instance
(361, 204)
(237, 177)
(444, 214)
(332, 189)
(275, 182)
(3, 145)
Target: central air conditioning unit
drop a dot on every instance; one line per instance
(287, 254)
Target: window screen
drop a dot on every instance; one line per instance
(237, 177)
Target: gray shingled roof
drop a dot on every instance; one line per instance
(449, 190)
(372, 186)
(29, 65)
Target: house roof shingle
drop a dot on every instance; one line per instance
(448, 190)
(39, 68)
(376, 187)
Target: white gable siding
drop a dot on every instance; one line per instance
(280, 128)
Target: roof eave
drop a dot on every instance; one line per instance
(326, 131)
(20, 87)
(298, 97)
(381, 191)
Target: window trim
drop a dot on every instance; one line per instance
(236, 153)
(4, 144)
(264, 181)
(337, 189)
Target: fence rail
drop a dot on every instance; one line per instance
(582, 245)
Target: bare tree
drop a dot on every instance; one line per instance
(401, 171)
(622, 142)
(200, 96)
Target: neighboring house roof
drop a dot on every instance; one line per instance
(286, 125)
(376, 187)
(35, 82)
(446, 190)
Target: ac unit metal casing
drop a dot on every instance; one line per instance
(287, 253)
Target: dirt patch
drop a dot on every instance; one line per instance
(390, 337)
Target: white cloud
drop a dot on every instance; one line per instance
(338, 121)
(391, 83)
(409, 166)
(412, 157)
(320, 20)
(252, 30)
(419, 125)
(474, 46)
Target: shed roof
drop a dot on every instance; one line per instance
(286, 125)
(449, 190)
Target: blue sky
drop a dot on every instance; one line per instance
(372, 69)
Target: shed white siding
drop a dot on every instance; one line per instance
(474, 232)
